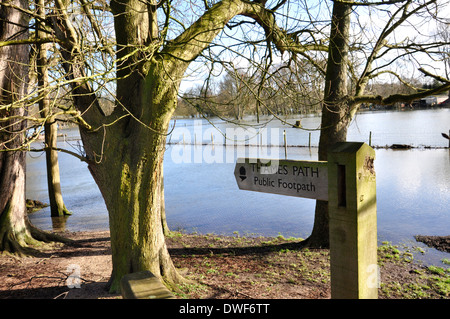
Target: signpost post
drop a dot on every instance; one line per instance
(353, 221)
(347, 182)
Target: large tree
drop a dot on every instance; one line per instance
(17, 235)
(125, 149)
(388, 47)
(364, 43)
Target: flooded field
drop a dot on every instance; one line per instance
(413, 186)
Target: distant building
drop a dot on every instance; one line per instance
(429, 101)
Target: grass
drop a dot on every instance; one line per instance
(421, 282)
(266, 275)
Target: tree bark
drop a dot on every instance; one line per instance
(336, 114)
(17, 235)
(131, 185)
(57, 207)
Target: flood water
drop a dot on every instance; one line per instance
(201, 194)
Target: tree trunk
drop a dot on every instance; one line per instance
(13, 69)
(137, 236)
(336, 114)
(16, 232)
(129, 174)
(57, 206)
(129, 169)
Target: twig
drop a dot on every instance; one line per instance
(41, 260)
(64, 293)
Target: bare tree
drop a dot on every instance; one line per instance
(57, 207)
(380, 54)
(363, 43)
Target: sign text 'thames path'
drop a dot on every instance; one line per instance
(307, 179)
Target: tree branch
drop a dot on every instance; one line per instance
(397, 98)
(30, 41)
(370, 3)
(80, 157)
(189, 45)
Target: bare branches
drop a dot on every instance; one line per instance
(404, 98)
(396, 20)
(283, 66)
(58, 149)
(371, 3)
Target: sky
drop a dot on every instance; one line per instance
(367, 24)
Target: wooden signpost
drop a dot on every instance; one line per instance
(347, 182)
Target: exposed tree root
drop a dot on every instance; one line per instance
(29, 241)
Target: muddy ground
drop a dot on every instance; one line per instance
(218, 267)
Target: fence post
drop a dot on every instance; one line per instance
(352, 221)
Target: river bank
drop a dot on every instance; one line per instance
(219, 267)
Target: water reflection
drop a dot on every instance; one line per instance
(59, 223)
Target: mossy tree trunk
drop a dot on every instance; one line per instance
(14, 233)
(129, 175)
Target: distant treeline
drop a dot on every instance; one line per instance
(234, 98)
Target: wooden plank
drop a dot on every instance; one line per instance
(143, 285)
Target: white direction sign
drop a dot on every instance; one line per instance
(284, 177)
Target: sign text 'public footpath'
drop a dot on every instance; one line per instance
(347, 183)
(307, 179)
